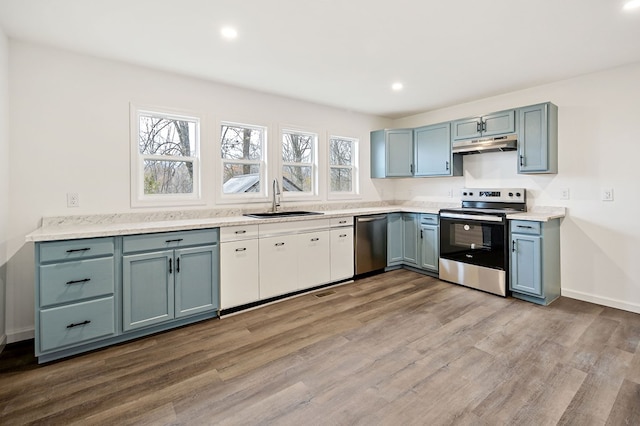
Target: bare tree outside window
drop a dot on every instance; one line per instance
(242, 151)
(168, 149)
(341, 164)
(298, 152)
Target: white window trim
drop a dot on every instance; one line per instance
(257, 197)
(315, 178)
(138, 197)
(354, 194)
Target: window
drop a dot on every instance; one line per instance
(165, 165)
(299, 162)
(342, 165)
(242, 150)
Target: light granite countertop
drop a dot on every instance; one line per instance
(76, 227)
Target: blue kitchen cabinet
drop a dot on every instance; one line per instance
(395, 240)
(392, 153)
(429, 242)
(535, 260)
(433, 157)
(494, 124)
(410, 237)
(538, 139)
(75, 294)
(168, 276)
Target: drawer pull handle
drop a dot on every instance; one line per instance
(177, 240)
(342, 235)
(85, 322)
(77, 250)
(525, 226)
(315, 239)
(241, 249)
(241, 232)
(86, 280)
(279, 244)
(342, 221)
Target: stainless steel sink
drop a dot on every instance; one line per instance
(267, 215)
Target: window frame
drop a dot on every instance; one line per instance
(302, 195)
(354, 167)
(263, 194)
(137, 159)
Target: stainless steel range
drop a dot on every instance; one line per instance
(474, 238)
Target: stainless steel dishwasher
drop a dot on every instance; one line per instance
(371, 243)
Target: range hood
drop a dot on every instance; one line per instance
(492, 144)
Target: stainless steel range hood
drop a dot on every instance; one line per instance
(479, 146)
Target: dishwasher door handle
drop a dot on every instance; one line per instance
(371, 218)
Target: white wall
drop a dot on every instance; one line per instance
(4, 176)
(599, 147)
(70, 133)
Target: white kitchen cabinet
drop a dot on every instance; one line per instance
(278, 265)
(314, 259)
(341, 254)
(239, 272)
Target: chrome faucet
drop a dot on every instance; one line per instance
(276, 196)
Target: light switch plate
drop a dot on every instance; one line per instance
(607, 194)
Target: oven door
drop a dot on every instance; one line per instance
(474, 239)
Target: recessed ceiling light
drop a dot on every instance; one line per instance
(631, 4)
(229, 33)
(397, 86)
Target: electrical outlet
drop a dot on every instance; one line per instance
(450, 193)
(564, 194)
(73, 199)
(607, 194)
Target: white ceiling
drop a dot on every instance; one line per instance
(346, 53)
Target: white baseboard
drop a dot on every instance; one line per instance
(605, 301)
(20, 335)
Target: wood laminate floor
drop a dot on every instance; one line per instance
(393, 349)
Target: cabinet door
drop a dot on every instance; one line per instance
(395, 240)
(196, 280)
(499, 123)
(526, 264)
(429, 247)
(532, 139)
(239, 274)
(342, 251)
(278, 265)
(410, 235)
(399, 152)
(433, 150)
(314, 259)
(148, 294)
(466, 129)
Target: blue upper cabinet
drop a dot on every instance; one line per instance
(432, 145)
(392, 153)
(538, 139)
(498, 123)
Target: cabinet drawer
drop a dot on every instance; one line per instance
(75, 249)
(169, 240)
(77, 323)
(73, 281)
(428, 219)
(341, 221)
(525, 227)
(236, 233)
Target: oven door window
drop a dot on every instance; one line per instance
(477, 243)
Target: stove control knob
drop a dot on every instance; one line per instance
(518, 194)
(511, 194)
(464, 193)
(471, 193)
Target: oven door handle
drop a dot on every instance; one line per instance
(476, 217)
